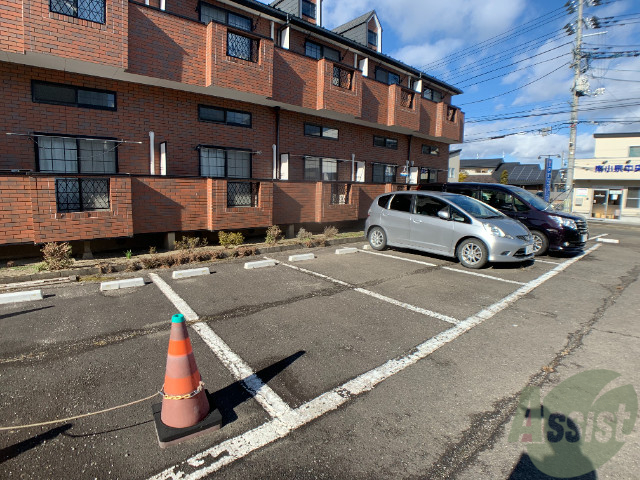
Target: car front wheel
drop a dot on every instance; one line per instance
(540, 243)
(472, 253)
(377, 238)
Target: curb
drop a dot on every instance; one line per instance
(16, 297)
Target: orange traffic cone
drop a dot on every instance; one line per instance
(185, 410)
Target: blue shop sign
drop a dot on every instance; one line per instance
(617, 168)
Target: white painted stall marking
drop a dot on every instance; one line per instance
(227, 452)
(419, 262)
(546, 261)
(476, 274)
(392, 301)
(598, 236)
(266, 397)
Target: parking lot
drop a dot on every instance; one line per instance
(354, 364)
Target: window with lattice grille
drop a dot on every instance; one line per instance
(92, 10)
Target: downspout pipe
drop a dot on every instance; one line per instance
(276, 166)
(408, 177)
(152, 153)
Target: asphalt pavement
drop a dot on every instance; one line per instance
(400, 365)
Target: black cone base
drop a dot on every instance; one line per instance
(170, 436)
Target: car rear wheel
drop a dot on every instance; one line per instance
(540, 243)
(472, 253)
(377, 238)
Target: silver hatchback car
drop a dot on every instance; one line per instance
(447, 224)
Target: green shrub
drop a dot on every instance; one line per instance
(273, 235)
(305, 237)
(57, 256)
(230, 239)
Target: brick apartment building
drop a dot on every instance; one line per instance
(123, 118)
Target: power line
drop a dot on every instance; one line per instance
(489, 42)
(519, 88)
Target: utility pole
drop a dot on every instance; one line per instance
(577, 62)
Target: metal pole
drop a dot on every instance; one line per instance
(577, 56)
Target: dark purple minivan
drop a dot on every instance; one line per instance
(552, 230)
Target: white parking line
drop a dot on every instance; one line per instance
(266, 397)
(392, 301)
(426, 264)
(227, 452)
(451, 269)
(445, 268)
(598, 236)
(546, 261)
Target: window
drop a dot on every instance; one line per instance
(497, 199)
(242, 47)
(339, 193)
(317, 51)
(210, 13)
(341, 77)
(59, 94)
(311, 130)
(320, 169)
(383, 201)
(82, 194)
(634, 151)
(242, 194)
(222, 115)
(372, 38)
(224, 163)
(401, 203)
(386, 76)
(633, 197)
(92, 10)
(308, 9)
(383, 173)
(451, 113)
(385, 142)
(76, 155)
(426, 205)
(432, 95)
(429, 150)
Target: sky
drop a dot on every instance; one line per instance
(518, 52)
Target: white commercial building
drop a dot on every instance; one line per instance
(608, 186)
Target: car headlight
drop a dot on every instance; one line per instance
(495, 231)
(565, 222)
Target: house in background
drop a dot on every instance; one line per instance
(479, 169)
(454, 166)
(131, 119)
(608, 185)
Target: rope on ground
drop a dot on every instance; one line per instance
(18, 427)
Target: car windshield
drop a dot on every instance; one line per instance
(474, 207)
(534, 200)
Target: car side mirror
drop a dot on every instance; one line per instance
(443, 214)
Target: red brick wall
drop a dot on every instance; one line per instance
(15, 210)
(164, 204)
(295, 80)
(231, 72)
(11, 26)
(336, 98)
(69, 37)
(171, 114)
(366, 194)
(375, 100)
(51, 226)
(428, 116)
(404, 116)
(222, 217)
(294, 202)
(166, 46)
